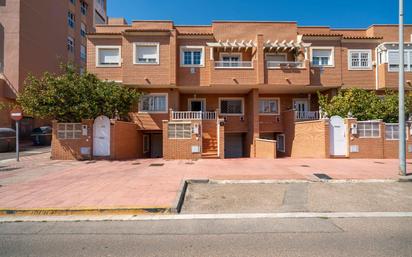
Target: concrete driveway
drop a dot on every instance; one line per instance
(38, 182)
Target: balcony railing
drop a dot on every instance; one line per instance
(189, 115)
(307, 115)
(284, 65)
(234, 64)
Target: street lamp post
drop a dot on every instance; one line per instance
(402, 142)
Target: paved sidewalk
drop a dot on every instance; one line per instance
(38, 182)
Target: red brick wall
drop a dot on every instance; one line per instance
(69, 149)
(311, 139)
(265, 149)
(180, 148)
(125, 141)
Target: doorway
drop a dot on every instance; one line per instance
(153, 145)
(197, 105)
(301, 105)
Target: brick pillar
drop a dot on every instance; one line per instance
(173, 59)
(260, 60)
(253, 113)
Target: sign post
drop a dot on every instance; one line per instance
(16, 115)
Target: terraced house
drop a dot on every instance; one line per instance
(240, 89)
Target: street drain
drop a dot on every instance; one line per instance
(304, 165)
(379, 162)
(322, 176)
(156, 164)
(189, 163)
(136, 163)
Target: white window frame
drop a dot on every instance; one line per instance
(179, 123)
(268, 99)
(407, 60)
(66, 130)
(98, 64)
(360, 51)
(396, 124)
(83, 55)
(135, 50)
(230, 54)
(71, 19)
(232, 98)
(155, 94)
(332, 56)
(192, 49)
(277, 143)
(83, 30)
(70, 48)
(365, 122)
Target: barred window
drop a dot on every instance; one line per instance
(231, 106)
(391, 131)
(360, 59)
(179, 131)
(69, 130)
(368, 129)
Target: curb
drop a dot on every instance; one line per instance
(85, 211)
(407, 178)
(181, 193)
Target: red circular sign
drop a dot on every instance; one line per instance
(16, 114)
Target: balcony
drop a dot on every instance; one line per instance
(233, 64)
(233, 73)
(287, 73)
(190, 115)
(307, 115)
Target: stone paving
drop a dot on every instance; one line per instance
(38, 182)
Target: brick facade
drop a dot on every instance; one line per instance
(293, 83)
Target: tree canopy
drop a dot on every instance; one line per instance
(71, 97)
(364, 105)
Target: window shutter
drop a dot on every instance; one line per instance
(321, 52)
(147, 52)
(393, 57)
(109, 56)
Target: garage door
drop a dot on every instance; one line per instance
(233, 145)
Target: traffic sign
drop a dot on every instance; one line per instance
(16, 114)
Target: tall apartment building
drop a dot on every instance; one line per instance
(210, 91)
(37, 35)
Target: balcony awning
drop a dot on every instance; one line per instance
(233, 44)
(393, 46)
(277, 45)
(285, 45)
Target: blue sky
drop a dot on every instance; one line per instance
(336, 13)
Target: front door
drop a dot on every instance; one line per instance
(101, 136)
(196, 105)
(301, 105)
(156, 145)
(337, 130)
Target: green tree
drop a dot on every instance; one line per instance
(71, 96)
(364, 105)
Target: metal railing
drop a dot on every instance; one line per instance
(190, 115)
(284, 64)
(307, 115)
(234, 64)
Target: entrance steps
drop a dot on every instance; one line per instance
(210, 155)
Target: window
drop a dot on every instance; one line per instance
(73, 1)
(391, 131)
(70, 19)
(276, 57)
(368, 129)
(191, 56)
(81, 71)
(69, 130)
(393, 60)
(280, 143)
(322, 56)
(179, 131)
(231, 106)
(108, 56)
(146, 53)
(83, 30)
(268, 106)
(153, 103)
(359, 59)
(83, 7)
(70, 44)
(83, 53)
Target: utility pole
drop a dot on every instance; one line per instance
(402, 142)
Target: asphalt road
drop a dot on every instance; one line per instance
(25, 151)
(230, 237)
